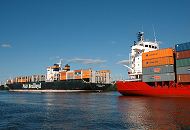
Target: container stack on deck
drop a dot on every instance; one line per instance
(183, 62)
(158, 66)
(56, 73)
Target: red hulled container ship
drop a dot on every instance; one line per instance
(157, 72)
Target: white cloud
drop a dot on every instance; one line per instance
(87, 61)
(123, 62)
(6, 45)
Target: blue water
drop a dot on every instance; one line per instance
(87, 111)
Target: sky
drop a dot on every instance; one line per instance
(97, 34)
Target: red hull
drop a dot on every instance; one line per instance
(143, 89)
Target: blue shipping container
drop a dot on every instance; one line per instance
(159, 77)
(183, 70)
(158, 69)
(182, 47)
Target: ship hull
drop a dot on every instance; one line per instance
(72, 85)
(143, 89)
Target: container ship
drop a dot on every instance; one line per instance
(157, 72)
(60, 79)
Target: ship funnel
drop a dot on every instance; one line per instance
(140, 36)
(67, 67)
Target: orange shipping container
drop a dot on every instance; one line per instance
(22, 79)
(183, 78)
(168, 52)
(63, 75)
(77, 74)
(70, 74)
(183, 54)
(158, 62)
(86, 74)
(19, 79)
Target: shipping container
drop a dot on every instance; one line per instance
(103, 76)
(70, 74)
(181, 78)
(158, 70)
(37, 78)
(86, 74)
(93, 77)
(158, 62)
(182, 47)
(22, 79)
(183, 54)
(168, 52)
(63, 75)
(159, 77)
(183, 62)
(77, 74)
(183, 70)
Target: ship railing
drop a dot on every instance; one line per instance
(133, 80)
(85, 81)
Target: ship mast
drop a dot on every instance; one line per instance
(60, 63)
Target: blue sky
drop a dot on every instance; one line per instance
(35, 34)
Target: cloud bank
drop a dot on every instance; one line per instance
(87, 61)
(6, 45)
(123, 62)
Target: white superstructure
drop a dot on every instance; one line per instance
(135, 57)
(53, 73)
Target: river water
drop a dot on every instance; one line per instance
(86, 111)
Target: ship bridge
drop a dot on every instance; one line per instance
(135, 57)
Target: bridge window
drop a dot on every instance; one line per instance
(146, 45)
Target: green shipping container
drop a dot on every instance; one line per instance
(183, 62)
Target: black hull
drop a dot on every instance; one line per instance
(60, 85)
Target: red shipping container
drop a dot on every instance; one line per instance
(183, 54)
(183, 78)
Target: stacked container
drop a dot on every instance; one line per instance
(63, 75)
(158, 65)
(183, 62)
(86, 74)
(77, 74)
(37, 78)
(70, 75)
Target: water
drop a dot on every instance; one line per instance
(107, 110)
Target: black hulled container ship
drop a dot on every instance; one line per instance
(60, 79)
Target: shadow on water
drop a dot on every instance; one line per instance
(154, 112)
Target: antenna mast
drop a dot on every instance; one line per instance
(154, 33)
(60, 63)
